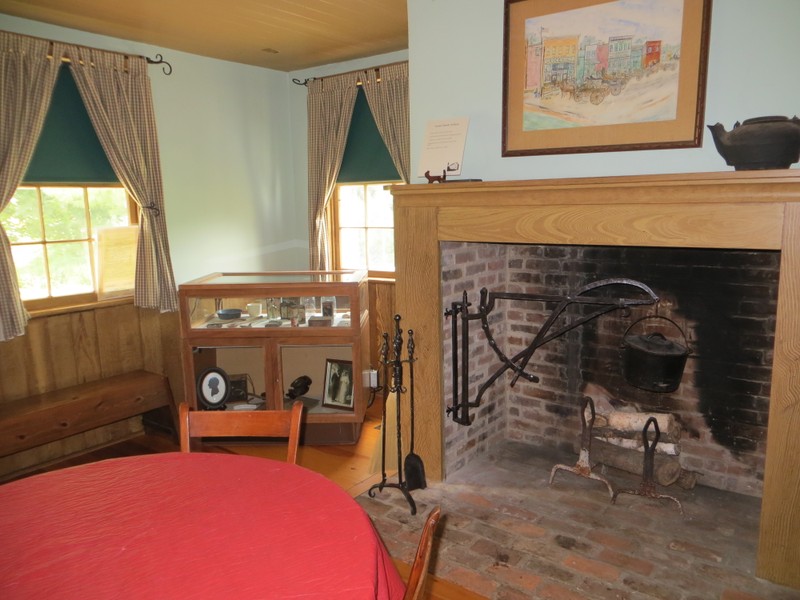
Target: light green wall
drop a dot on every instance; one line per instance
(456, 70)
(225, 138)
(233, 137)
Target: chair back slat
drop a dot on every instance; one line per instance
(250, 423)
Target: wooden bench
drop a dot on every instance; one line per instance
(36, 420)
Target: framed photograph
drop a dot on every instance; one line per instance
(600, 76)
(338, 388)
(213, 389)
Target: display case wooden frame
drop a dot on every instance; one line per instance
(349, 330)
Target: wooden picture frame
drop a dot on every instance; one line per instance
(338, 384)
(600, 76)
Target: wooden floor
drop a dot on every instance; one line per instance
(350, 466)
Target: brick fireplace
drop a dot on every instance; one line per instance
(739, 211)
(719, 303)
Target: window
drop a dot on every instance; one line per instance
(69, 222)
(54, 232)
(363, 228)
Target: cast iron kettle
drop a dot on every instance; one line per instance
(652, 361)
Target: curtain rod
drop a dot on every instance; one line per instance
(158, 60)
(306, 81)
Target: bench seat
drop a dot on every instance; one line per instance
(29, 422)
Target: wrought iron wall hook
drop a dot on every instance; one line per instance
(154, 208)
(159, 60)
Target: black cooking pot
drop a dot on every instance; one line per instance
(651, 361)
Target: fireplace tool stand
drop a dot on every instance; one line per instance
(647, 487)
(583, 468)
(461, 316)
(396, 387)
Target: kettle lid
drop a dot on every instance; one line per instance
(656, 343)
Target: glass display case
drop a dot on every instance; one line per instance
(254, 341)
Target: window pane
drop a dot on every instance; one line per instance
(64, 214)
(379, 207)
(351, 206)
(70, 269)
(108, 207)
(352, 247)
(21, 218)
(31, 273)
(380, 249)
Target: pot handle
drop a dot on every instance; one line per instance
(685, 340)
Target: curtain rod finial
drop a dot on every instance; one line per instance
(159, 60)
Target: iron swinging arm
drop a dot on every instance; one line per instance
(519, 362)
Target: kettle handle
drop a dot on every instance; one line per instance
(685, 340)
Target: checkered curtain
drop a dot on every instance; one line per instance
(388, 101)
(27, 78)
(330, 109)
(116, 91)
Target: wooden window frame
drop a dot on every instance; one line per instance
(63, 304)
(332, 216)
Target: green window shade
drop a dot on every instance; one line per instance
(365, 155)
(68, 150)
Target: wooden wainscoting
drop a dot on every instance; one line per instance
(381, 315)
(63, 350)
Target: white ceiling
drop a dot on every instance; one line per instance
(285, 35)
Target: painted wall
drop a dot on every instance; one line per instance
(225, 139)
(233, 138)
(456, 66)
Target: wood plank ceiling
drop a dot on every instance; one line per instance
(285, 35)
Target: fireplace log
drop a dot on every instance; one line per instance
(635, 443)
(627, 423)
(666, 469)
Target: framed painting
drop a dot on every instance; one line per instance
(338, 387)
(601, 76)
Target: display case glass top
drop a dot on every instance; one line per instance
(274, 300)
(273, 277)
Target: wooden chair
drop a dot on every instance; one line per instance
(250, 423)
(419, 568)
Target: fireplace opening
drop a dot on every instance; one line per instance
(722, 303)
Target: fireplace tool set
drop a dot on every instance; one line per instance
(597, 305)
(412, 467)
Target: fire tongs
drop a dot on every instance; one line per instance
(647, 487)
(518, 363)
(583, 467)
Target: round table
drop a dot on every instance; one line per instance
(189, 525)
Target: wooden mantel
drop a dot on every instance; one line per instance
(757, 210)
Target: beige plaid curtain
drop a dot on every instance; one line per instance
(116, 91)
(388, 101)
(27, 78)
(330, 110)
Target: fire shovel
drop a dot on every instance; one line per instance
(413, 467)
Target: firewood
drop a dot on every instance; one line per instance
(666, 469)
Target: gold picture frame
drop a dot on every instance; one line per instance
(600, 76)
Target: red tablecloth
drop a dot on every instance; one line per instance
(179, 526)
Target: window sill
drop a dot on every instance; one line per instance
(63, 310)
